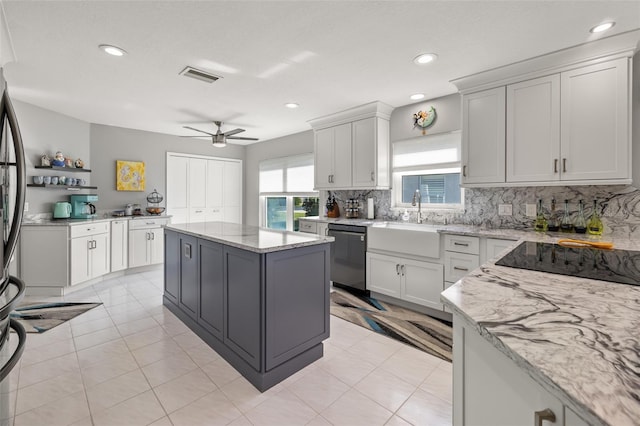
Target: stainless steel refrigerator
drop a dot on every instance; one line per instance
(12, 196)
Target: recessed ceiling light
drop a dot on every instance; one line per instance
(602, 27)
(425, 58)
(112, 50)
(292, 105)
(417, 96)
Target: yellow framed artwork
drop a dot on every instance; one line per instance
(129, 175)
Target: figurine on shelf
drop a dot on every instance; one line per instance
(79, 164)
(45, 161)
(68, 162)
(58, 160)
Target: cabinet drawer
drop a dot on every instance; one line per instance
(462, 244)
(306, 226)
(147, 223)
(457, 265)
(89, 229)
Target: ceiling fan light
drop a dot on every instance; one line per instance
(219, 144)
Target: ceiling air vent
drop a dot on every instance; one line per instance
(199, 75)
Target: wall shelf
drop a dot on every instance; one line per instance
(67, 187)
(65, 169)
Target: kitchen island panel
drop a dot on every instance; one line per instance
(211, 308)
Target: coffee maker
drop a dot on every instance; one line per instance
(83, 207)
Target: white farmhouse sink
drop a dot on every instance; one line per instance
(408, 238)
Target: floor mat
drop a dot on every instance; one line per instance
(426, 333)
(40, 317)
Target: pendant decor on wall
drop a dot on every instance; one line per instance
(424, 119)
(129, 175)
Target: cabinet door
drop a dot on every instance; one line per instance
(595, 142)
(100, 255)
(323, 158)
(119, 245)
(197, 183)
(422, 282)
(215, 184)
(138, 247)
(172, 265)
(177, 182)
(496, 247)
(533, 130)
(80, 266)
(188, 295)
(232, 214)
(197, 214)
(383, 274)
(156, 244)
(211, 304)
(232, 190)
(457, 265)
(483, 137)
(323, 229)
(342, 156)
(363, 148)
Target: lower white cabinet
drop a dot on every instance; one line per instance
(119, 245)
(313, 227)
(490, 389)
(89, 251)
(411, 280)
(146, 242)
(496, 247)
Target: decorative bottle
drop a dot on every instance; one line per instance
(540, 224)
(566, 225)
(553, 222)
(580, 225)
(595, 227)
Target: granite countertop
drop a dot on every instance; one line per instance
(576, 337)
(247, 237)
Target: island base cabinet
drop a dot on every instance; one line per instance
(172, 266)
(188, 294)
(211, 303)
(490, 389)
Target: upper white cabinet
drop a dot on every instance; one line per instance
(483, 127)
(565, 119)
(352, 148)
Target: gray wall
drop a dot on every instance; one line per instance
(448, 109)
(298, 143)
(109, 144)
(45, 132)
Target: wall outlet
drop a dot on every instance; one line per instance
(26, 206)
(530, 210)
(505, 210)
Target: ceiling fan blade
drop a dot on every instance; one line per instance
(244, 139)
(197, 130)
(233, 132)
(203, 136)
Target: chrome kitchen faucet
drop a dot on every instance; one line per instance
(417, 198)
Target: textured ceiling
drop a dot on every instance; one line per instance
(325, 55)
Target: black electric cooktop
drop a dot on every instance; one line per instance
(618, 266)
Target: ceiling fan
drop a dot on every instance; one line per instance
(219, 139)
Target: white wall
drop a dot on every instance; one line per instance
(298, 143)
(45, 132)
(109, 144)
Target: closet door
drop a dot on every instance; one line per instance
(177, 182)
(232, 191)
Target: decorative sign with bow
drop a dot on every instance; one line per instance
(425, 119)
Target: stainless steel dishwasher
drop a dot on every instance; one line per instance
(348, 256)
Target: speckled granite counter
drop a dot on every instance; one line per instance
(67, 222)
(246, 237)
(576, 337)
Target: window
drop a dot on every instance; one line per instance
(286, 191)
(431, 165)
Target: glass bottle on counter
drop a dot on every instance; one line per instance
(554, 220)
(580, 225)
(540, 225)
(595, 227)
(566, 225)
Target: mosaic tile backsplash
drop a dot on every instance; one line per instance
(619, 206)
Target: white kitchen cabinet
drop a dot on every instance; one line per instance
(119, 245)
(332, 149)
(177, 184)
(495, 247)
(490, 389)
(457, 265)
(533, 130)
(197, 184)
(322, 229)
(411, 280)
(370, 153)
(146, 242)
(232, 191)
(595, 117)
(307, 226)
(483, 137)
(90, 251)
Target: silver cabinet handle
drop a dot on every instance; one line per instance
(555, 165)
(373, 177)
(397, 269)
(89, 245)
(543, 415)
(403, 269)
(564, 165)
(457, 268)
(464, 171)
(328, 178)
(148, 236)
(153, 235)
(455, 243)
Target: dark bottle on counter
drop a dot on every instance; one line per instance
(553, 224)
(595, 227)
(540, 225)
(566, 225)
(580, 225)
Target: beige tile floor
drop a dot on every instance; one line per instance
(131, 362)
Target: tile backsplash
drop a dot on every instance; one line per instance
(619, 206)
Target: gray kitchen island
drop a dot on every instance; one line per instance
(258, 297)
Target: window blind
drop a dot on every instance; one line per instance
(292, 174)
